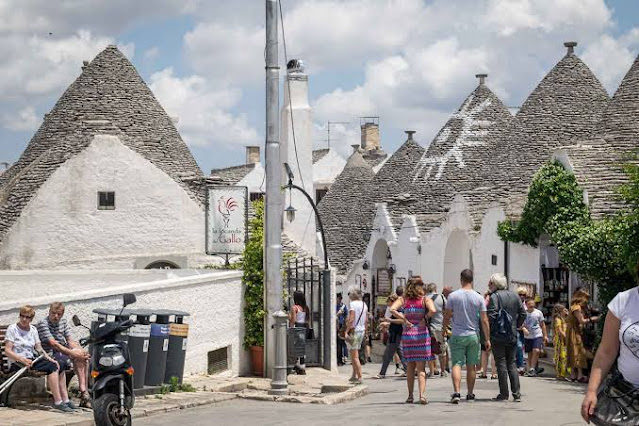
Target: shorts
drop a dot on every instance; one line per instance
(358, 338)
(443, 343)
(42, 365)
(464, 350)
(63, 360)
(536, 343)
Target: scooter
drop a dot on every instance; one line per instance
(112, 391)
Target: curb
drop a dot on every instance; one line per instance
(349, 395)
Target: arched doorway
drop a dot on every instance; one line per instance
(456, 258)
(162, 264)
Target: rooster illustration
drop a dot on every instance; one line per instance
(225, 206)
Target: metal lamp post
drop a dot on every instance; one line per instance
(326, 273)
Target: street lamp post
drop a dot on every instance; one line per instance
(326, 273)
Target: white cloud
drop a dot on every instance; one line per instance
(610, 58)
(24, 120)
(204, 119)
(151, 53)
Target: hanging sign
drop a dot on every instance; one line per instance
(226, 219)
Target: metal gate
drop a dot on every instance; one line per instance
(303, 274)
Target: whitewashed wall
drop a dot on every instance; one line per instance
(214, 300)
(254, 180)
(153, 217)
(487, 244)
(326, 170)
(524, 264)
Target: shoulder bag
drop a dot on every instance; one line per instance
(348, 337)
(617, 403)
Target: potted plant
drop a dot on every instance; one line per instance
(253, 280)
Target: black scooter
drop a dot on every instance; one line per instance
(112, 391)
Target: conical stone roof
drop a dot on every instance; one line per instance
(108, 97)
(620, 124)
(347, 212)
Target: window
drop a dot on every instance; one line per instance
(106, 200)
(256, 196)
(493, 259)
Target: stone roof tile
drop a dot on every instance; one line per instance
(318, 154)
(232, 175)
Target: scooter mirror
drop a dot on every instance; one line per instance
(76, 320)
(128, 298)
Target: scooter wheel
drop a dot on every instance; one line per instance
(106, 411)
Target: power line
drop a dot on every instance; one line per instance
(290, 102)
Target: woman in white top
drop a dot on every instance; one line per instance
(356, 321)
(20, 345)
(620, 338)
(300, 316)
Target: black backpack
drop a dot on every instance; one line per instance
(502, 327)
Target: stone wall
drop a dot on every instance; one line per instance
(214, 300)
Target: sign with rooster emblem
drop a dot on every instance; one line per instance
(226, 224)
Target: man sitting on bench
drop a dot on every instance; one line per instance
(55, 336)
(20, 342)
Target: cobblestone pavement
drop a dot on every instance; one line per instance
(545, 401)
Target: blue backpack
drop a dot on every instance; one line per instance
(502, 329)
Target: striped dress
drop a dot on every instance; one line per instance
(416, 340)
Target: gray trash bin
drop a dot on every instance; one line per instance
(158, 349)
(139, 336)
(178, 338)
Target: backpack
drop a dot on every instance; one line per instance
(502, 327)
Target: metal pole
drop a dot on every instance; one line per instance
(273, 211)
(278, 386)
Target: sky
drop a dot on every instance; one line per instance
(410, 62)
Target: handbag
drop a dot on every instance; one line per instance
(350, 336)
(617, 403)
(310, 334)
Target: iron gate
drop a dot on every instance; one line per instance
(304, 274)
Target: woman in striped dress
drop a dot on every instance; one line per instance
(415, 338)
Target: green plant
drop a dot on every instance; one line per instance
(253, 280)
(603, 251)
(176, 386)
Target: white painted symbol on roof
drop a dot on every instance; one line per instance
(470, 135)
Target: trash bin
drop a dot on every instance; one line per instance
(139, 336)
(178, 337)
(296, 345)
(158, 349)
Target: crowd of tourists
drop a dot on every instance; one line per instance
(455, 330)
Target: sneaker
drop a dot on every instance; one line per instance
(530, 373)
(398, 370)
(358, 382)
(470, 397)
(454, 398)
(352, 379)
(379, 376)
(517, 397)
(62, 407)
(444, 374)
(71, 405)
(501, 397)
(368, 359)
(539, 370)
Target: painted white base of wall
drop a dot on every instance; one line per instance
(214, 300)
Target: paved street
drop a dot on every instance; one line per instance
(545, 402)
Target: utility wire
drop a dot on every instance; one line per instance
(290, 102)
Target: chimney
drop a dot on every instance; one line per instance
(482, 78)
(370, 133)
(85, 64)
(252, 154)
(571, 47)
(410, 134)
(355, 147)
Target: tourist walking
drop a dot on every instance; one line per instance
(300, 316)
(466, 308)
(559, 314)
(486, 355)
(393, 345)
(414, 309)
(507, 315)
(521, 363)
(20, 345)
(620, 342)
(355, 331)
(536, 336)
(436, 330)
(341, 312)
(55, 335)
(577, 354)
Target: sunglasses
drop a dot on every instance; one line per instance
(29, 317)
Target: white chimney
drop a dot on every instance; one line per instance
(296, 134)
(252, 154)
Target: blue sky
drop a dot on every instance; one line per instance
(411, 62)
